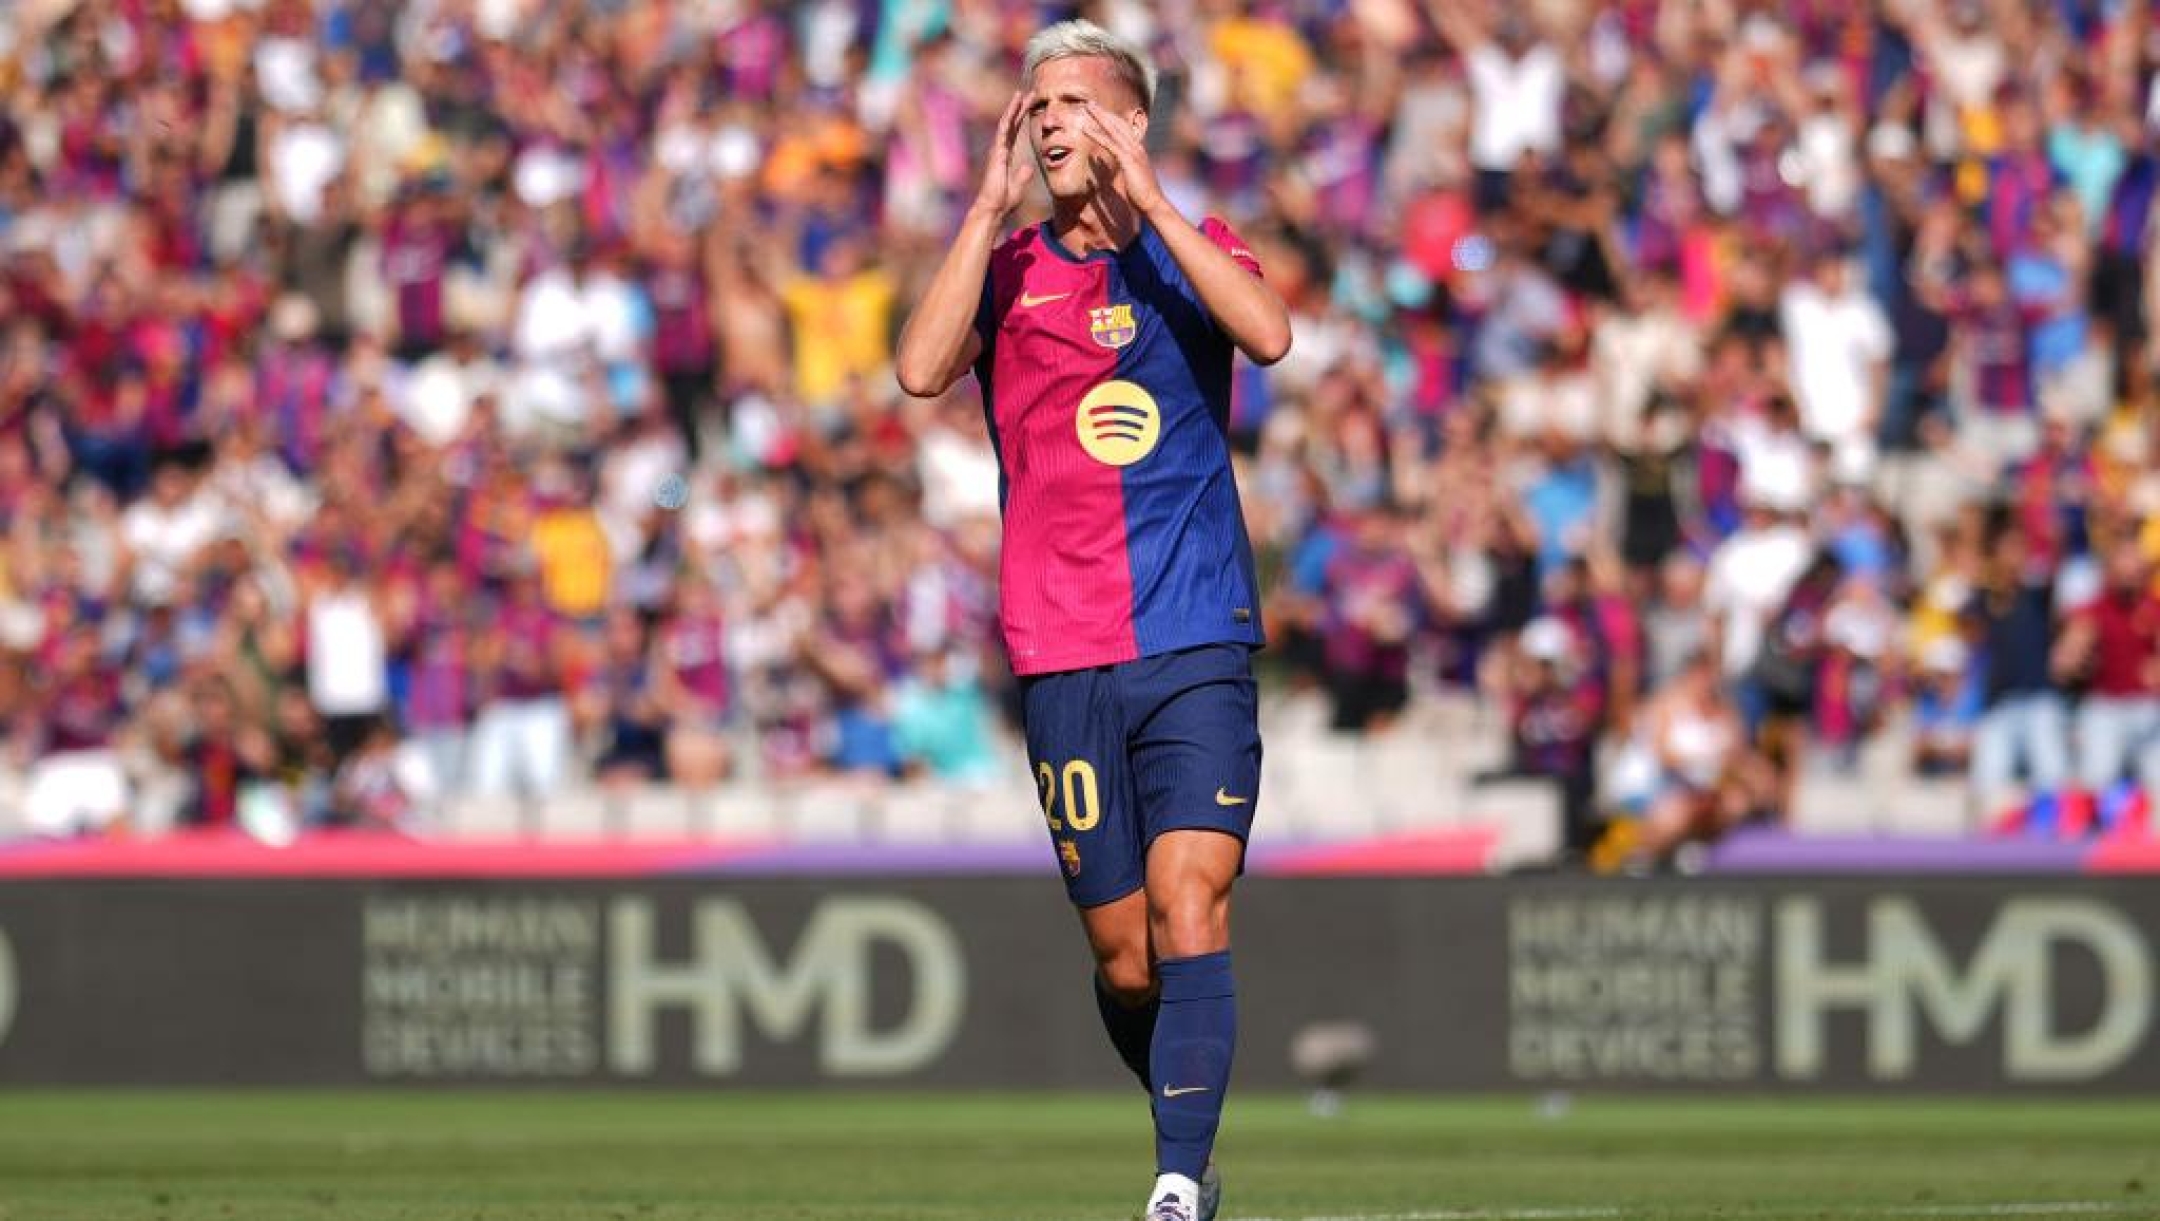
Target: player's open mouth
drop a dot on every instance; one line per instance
(1056, 155)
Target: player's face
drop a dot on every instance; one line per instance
(1072, 164)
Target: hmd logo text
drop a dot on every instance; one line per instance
(1904, 982)
(731, 975)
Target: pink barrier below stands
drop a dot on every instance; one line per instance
(1442, 853)
(2124, 856)
(357, 855)
(335, 854)
(1422, 853)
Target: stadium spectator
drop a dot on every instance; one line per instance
(1555, 706)
(2024, 727)
(1947, 708)
(2112, 647)
(1374, 603)
(433, 634)
(521, 738)
(693, 686)
(374, 788)
(1839, 346)
(1688, 772)
(941, 722)
(78, 783)
(619, 706)
(346, 649)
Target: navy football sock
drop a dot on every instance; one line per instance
(1190, 1064)
(1132, 1031)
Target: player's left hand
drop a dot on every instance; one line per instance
(1136, 174)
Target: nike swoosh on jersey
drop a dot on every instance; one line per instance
(1030, 301)
(1223, 798)
(1179, 1091)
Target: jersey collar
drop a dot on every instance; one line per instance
(1050, 242)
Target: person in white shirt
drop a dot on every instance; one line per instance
(303, 155)
(1965, 61)
(348, 676)
(1778, 464)
(251, 485)
(1827, 143)
(1558, 396)
(1517, 83)
(436, 400)
(1840, 344)
(1638, 347)
(574, 322)
(165, 532)
(1753, 572)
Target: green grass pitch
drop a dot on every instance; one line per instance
(276, 1156)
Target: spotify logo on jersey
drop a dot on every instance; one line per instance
(1118, 423)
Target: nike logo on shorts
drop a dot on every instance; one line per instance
(1223, 798)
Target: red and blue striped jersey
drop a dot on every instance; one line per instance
(1106, 386)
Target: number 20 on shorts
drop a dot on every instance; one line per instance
(1075, 782)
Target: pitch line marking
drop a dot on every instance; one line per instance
(1469, 1214)
(2040, 1208)
(2052, 1208)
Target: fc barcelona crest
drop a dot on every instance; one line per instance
(1112, 325)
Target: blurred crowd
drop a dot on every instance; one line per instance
(401, 398)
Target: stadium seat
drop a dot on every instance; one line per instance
(13, 787)
(1278, 805)
(1294, 716)
(738, 812)
(1409, 785)
(580, 814)
(1830, 802)
(486, 817)
(1005, 814)
(1481, 746)
(827, 813)
(1525, 813)
(1351, 818)
(1932, 808)
(657, 812)
(1323, 796)
(156, 803)
(1886, 754)
(914, 813)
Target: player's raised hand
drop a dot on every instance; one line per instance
(1136, 174)
(1005, 177)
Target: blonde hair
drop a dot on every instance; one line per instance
(1079, 38)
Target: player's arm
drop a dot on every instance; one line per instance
(939, 342)
(1242, 304)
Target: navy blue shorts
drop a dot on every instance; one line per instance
(1124, 753)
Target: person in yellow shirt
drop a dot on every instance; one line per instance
(577, 566)
(840, 321)
(1267, 61)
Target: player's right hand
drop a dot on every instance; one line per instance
(1005, 178)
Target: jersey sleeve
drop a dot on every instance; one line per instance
(986, 310)
(989, 309)
(1226, 239)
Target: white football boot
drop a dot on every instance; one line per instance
(1175, 1198)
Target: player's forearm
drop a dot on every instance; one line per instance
(1242, 304)
(935, 344)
